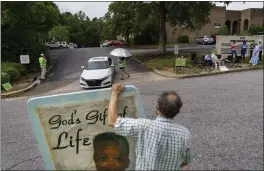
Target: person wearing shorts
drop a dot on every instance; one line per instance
(122, 66)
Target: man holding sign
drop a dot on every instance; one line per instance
(161, 144)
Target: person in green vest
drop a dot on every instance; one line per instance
(122, 65)
(43, 66)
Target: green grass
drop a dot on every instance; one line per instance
(179, 44)
(165, 61)
(156, 46)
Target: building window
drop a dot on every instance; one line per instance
(245, 24)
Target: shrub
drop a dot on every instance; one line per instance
(5, 78)
(14, 74)
(183, 39)
(223, 31)
(19, 67)
(253, 30)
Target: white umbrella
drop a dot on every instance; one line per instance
(120, 52)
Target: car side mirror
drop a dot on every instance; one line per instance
(82, 67)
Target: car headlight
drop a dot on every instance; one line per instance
(82, 79)
(106, 77)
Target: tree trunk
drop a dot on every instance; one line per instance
(162, 32)
(127, 39)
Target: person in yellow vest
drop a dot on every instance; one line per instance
(43, 66)
(122, 65)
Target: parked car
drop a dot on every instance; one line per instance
(52, 45)
(105, 43)
(114, 43)
(205, 40)
(56, 44)
(98, 72)
(63, 44)
(71, 46)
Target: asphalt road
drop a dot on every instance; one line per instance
(224, 114)
(69, 61)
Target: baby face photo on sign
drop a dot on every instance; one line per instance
(76, 136)
(111, 152)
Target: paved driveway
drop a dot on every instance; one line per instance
(224, 114)
(69, 61)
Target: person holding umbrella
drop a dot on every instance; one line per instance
(124, 55)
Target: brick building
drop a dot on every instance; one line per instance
(236, 21)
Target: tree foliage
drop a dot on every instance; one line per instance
(254, 30)
(223, 30)
(25, 26)
(123, 18)
(60, 33)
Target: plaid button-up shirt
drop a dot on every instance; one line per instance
(161, 144)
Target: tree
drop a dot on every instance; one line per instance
(123, 18)
(25, 26)
(60, 33)
(223, 30)
(254, 30)
(193, 15)
(107, 29)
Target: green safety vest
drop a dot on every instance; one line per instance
(123, 63)
(42, 62)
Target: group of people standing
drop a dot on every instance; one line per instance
(255, 54)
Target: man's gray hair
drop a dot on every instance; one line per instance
(169, 104)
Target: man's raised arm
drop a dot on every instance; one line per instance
(113, 104)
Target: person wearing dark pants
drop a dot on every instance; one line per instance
(243, 49)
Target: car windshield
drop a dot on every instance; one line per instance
(96, 65)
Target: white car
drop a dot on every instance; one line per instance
(56, 45)
(98, 72)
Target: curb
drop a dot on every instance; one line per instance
(205, 74)
(195, 75)
(33, 85)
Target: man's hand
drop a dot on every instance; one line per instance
(117, 88)
(113, 104)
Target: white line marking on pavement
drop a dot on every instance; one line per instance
(12, 99)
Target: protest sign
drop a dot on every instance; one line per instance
(7, 86)
(223, 43)
(65, 126)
